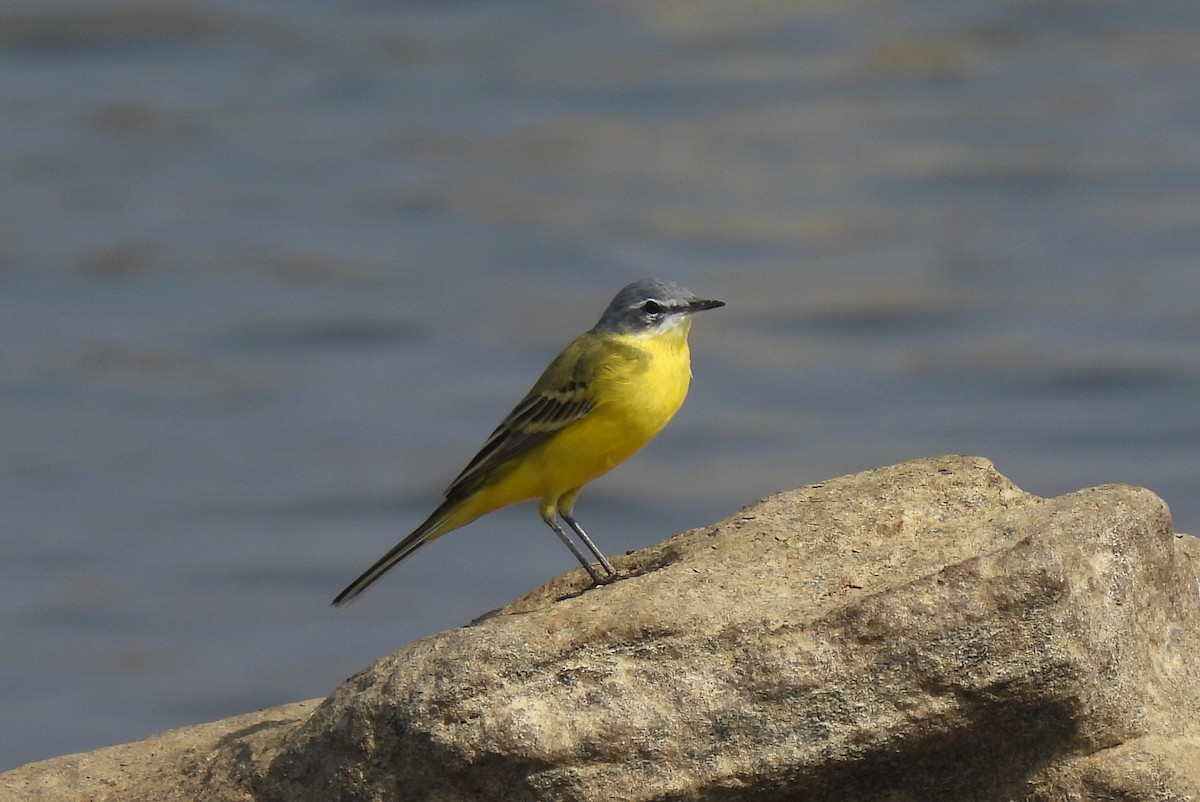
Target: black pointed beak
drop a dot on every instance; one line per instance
(699, 305)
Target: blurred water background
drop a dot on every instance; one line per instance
(271, 271)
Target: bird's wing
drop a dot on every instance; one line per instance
(560, 397)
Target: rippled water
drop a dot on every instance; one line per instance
(271, 271)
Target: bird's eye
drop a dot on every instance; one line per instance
(652, 308)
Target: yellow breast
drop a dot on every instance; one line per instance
(636, 386)
(643, 385)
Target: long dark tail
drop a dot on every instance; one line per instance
(434, 525)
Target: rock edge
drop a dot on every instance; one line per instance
(920, 631)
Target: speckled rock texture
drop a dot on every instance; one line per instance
(923, 631)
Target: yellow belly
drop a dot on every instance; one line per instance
(634, 399)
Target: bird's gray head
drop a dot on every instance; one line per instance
(650, 305)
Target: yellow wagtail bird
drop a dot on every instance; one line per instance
(603, 398)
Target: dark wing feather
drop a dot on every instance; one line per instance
(539, 415)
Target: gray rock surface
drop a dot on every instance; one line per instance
(924, 631)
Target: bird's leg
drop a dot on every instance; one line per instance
(587, 541)
(584, 561)
(566, 511)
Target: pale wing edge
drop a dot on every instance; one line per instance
(531, 422)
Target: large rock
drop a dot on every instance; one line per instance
(923, 631)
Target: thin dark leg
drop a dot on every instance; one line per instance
(584, 561)
(587, 541)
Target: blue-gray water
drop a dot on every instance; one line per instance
(270, 271)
